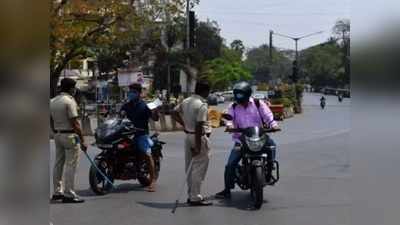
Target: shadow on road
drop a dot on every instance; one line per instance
(122, 188)
(240, 200)
(163, 205)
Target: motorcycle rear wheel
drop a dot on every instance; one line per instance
(144, 178)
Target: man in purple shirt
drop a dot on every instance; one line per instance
(245, 113)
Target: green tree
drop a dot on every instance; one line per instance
(323, 64)
(79, 28)
(221, 74)
(223, 71)
(208, 42)
(238, 46)
(341, 31)
(260, 66)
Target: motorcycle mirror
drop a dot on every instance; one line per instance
(122, 114)
(226, 116)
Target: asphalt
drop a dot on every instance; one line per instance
(314, 186)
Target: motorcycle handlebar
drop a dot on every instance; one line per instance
(241, 130)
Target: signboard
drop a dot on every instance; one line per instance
(126, 78)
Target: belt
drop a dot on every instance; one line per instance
(64, 131)
(191, 132)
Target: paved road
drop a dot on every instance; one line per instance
(314, 186)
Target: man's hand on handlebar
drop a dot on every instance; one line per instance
(230, 129)
(274, 129)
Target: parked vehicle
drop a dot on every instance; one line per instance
(260, 96)
(228, 95)
(212, 99)
(118, 159)
(220, 98)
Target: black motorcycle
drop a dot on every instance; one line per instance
(322, 103)
(257, 168)
(118, 159)
(340, 98)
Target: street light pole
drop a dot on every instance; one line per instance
(297, 48)
(296, 63)
(187, 44)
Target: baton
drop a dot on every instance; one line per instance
(98, 170)
(183, 186)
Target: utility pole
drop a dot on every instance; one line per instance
(296, 65)
(188, 79)
(271, 33)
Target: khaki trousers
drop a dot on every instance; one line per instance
(66, 163)
(199, 165)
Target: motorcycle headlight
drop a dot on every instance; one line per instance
(255, 144)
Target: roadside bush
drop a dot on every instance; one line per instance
(286, 102)
(262, 87)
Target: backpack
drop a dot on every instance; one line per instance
(257, 102)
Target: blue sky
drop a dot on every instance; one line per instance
(251, 20)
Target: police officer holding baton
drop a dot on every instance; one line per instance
(68, 138)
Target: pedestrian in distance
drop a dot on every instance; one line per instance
(68, 138)
(192, 114)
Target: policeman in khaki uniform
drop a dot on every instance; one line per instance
(68, 140)
(192, 114)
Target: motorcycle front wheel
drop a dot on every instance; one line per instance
(257, 187)
(98, 184)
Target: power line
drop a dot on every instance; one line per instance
(276, 14)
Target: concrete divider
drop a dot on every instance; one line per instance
(87, 126)
(165, 123)
(288, 112)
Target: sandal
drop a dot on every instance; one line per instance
(150, 188)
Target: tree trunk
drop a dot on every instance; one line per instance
(53, 84)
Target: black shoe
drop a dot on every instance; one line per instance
(199, 203)
(57, 197)
(72, 200)
(225, 194)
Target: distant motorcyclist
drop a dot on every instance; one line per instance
(340, 97)
(322, 102)
(246, 112)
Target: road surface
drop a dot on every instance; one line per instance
(313, 190)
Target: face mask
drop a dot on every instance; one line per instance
(133, 96)
(240, 98)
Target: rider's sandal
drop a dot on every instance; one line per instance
(150, 188)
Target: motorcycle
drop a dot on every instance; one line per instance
(257, 169)
(322, 104)
(118, 159)
(340, 98)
